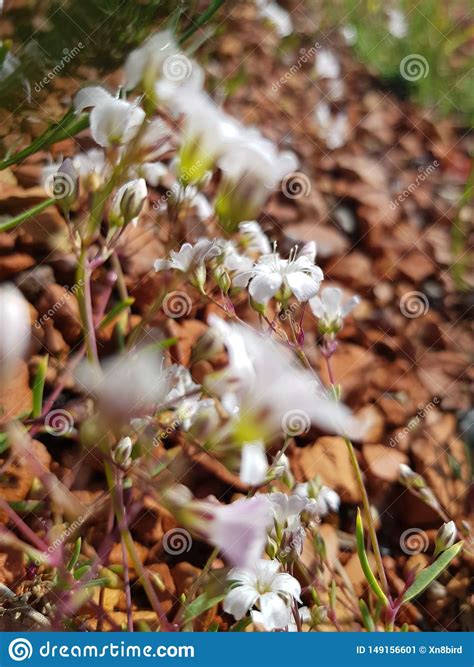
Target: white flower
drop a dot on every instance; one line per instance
(238, 529)
(272, 276)
(112, 121)
(320, 499)
(264, 587)
(327, 65)
(190, 257)
(129, 384)
(254, 237)
(262, 385)
(397, 23)
(231, 258)
(330, 310)
(333, 129)
(207, 133)
(254, 464)
(152, 172)
(145, 64)
(252, 168)
(278, 16)
(128, 202)
(185, 393)
(15, 327)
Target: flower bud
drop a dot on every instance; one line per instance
(128, 203)
(222, 278)
(66, 185)
(14, 327)
(123, 451)
(445, 537)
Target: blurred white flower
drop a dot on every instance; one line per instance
(128, 203)
(112, 121)
(262, 384)
(397, 23)
(145, 64)
(272, 276)
(254, 464)
(252, 168)
(15, 327)
(278, 16)
(207, 132)
(152, 172)
(231, 258)
(330, 310)
(131, 384)
(326, 64)
(333, 129)
(254, 237)
(263, 586)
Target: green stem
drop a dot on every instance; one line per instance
(201, 20)
(368, 515)
(30, 213)
(85, 306)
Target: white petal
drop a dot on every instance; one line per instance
(162, 265)
(254, 464)
(275, 612)
(331, 298)
(90, 97)
(350, 305)
(239, 600)
(304, 287)
(263, 287)
(285, 583)
(316, 306)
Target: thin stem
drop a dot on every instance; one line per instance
(83, 276)
(30, 213)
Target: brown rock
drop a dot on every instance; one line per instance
(14, 263)
(184, 574)
(329, 459)
(60, 305)
(382, 466)
(16, 397)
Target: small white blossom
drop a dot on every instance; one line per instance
(145, 64)
(254, 237)
(397, 23)
(265, 587)
(320, 500)
(327, 65)
(112, 121)
(272, 276)
(278, 16)
(333, 129)
(190, 257)
(330, 310)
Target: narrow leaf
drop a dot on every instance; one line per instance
(366, 617)
(75, 555)
(38, 386)
(200, 605)
(364, 561)
(18, 219)
(432, 572)
(115, 311)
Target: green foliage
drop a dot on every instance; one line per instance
(432, 572)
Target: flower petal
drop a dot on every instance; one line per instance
(254, 464)
(285, 583)
(263, 287)
(239, 600)
(304, 287)
(275, 612)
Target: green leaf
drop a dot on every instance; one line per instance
(75, 555)
(201, 604)
(366, 617)
(3, 442)
(18, 219)
(115, 311)
(38, 386)
(364, 561)
(432, 572)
